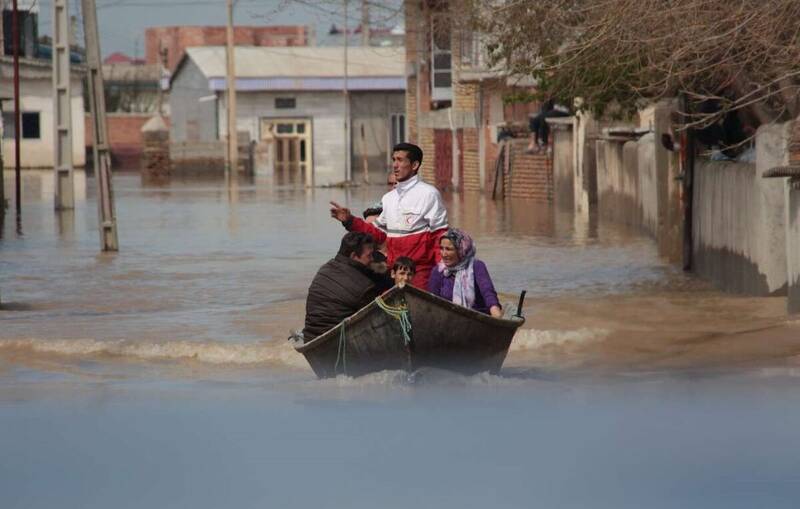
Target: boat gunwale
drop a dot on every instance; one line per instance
(506, 323)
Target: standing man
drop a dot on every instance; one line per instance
(413, 217)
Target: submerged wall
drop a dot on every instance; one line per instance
(739, 236)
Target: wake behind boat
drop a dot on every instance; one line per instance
(408, 329)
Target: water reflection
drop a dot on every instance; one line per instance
(39, 185)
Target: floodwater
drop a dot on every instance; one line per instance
(160, 376)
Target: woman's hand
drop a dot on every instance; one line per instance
(496, 312)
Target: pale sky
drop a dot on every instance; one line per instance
(122, 22)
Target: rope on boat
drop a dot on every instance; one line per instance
(399, 313)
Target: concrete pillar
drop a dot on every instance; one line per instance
(772, 149)
(792, 197)
(793, 247)
(155, 156)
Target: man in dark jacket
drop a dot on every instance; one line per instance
(342, 286)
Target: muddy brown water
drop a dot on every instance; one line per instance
(160, 376)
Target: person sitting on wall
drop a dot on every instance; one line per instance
(462, 278)
(540, 131)
(342, 286)
(413, 217)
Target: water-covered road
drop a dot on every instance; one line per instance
(160, 376)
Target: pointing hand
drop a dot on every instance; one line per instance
(340, 213)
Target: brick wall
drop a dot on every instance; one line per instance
(531, 175)
(425, 142)
(124, 137)
(471, 158)
(465, 96)
(177, 38)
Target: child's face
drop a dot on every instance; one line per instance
(402, 276)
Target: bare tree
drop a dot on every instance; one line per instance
(618, 54)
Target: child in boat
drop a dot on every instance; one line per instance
(462, 278)
(403, 271)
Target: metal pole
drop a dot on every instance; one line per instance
(102, 158)
(17, 116)
(230, 86)
(347, 174)
(62, 108)
(364, 23)
(162, 53)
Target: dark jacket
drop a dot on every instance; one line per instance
(340, 288)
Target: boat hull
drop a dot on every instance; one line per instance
(443, 336)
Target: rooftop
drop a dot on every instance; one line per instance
(301, 62)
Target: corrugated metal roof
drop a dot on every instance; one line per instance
(301, 62)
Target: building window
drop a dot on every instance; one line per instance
(285, 103)
(473, 50)
(30, 125)
(441, 59)
(397, 129)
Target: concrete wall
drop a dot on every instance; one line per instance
(619, 192)
(637, 181)
(793, 248)
(563, 167)
(191, 119)
(371, 111)
(36, 95)
(647, 183)
(739, 232)
(326, 111)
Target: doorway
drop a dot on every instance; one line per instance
(289, 142)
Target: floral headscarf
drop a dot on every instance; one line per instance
(464, 286)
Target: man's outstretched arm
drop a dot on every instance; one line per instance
(356, 224)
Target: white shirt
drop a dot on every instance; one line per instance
(412, 207)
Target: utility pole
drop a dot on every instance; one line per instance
(17, 115)
(365, 23)
(230, 80)
(62, 108)
(162, 53)
(346, 94)
(102, 158)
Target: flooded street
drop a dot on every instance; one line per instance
(161, 376)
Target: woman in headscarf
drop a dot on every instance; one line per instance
(462, 278)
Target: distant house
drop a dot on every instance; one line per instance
(291, 102)
(118, 58)
(457, 108)
(36, 96)
(175, 39)
(132, 98)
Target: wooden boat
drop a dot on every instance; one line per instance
(439, 334)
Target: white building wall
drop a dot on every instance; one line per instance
(326, 111)
(36, 96)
